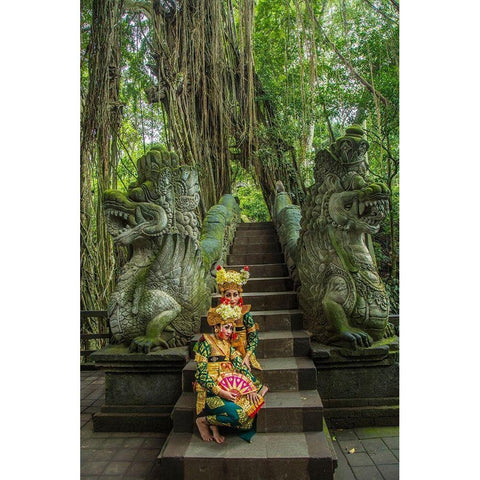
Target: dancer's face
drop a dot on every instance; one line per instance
(226, 331)
(233, 296)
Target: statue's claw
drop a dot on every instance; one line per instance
(390, 330)
(354, 339)
(142, 345)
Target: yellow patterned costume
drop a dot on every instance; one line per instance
(216, 356)
(245, 327)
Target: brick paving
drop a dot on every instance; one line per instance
(375, 453)
(132, 456)
(113, 455)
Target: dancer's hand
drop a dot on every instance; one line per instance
(232, 397)
(246, 361)
(253, 397)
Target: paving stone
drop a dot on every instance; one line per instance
(344, 434)
(367, 473)
(98, 454)
(396, 452)
(85, 418)
(343, 470)
(134, 442)
(383, 458)
(114, 442)
(153, 442)
(145, 454)
(116, 468)
(391, 442)
(346, 445)
(93, 467)
(360, 459)
(125, 455)
(374, 445)
(139, 469)
(389, 472)
(92, 442)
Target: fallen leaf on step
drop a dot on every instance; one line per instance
(352, 450)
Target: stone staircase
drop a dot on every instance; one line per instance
(292, 441)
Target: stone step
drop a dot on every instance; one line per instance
(255, 239)
(269, 321)
(280, 374)
(275, 344)
(263, 270)
(282, 412)
(256, 233)
(265, 247)
(255, 258)
(270, 456)
(268, 284)
(255, 226)
(266, 300)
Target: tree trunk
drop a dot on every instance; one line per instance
(100, 118)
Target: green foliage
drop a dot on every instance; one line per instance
(252, 204)
(313, 59)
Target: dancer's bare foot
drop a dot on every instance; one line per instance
(216, 434)
(204, 429)
(263, 391)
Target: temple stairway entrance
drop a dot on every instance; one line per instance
(292, 441)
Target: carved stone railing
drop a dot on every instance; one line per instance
(164, 288)
(328, 247)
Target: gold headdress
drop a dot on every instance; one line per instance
(231, 280)
(223, 313)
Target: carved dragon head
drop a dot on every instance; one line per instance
(348, 199)
(128, 221)
(162, 200)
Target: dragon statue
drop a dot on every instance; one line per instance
(344, 301)
(162, 291)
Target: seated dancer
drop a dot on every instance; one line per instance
(229, 284)
(216, 406)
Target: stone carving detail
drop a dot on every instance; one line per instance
(342, 296)
(162, 291)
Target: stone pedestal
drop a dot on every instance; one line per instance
(140, 389)
(359, 388)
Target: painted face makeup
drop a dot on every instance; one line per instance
(227, 330)
(233, 296)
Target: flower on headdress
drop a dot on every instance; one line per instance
(229, 312)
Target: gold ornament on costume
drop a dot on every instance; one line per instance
(224, 313)
(231, 280)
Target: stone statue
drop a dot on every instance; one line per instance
(162, 291)
(342, 296)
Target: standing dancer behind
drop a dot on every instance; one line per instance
(215, 356)
(230, 286)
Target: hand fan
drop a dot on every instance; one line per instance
(236, 383)
(241, 385)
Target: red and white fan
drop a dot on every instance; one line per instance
(236, 383)
(241, 385)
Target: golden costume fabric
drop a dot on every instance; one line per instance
(213, 357)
